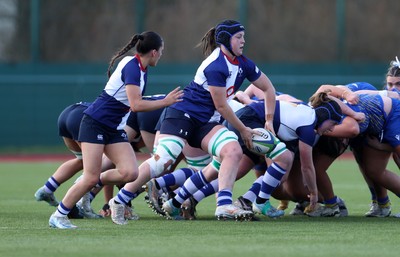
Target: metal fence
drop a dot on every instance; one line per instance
(348, 41)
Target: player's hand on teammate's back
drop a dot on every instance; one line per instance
(359, 117)
(174, 96)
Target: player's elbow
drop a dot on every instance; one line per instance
(354, 131)
(349, 131)
(221, 108)
(138, 108)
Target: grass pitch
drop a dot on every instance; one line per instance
(24, 227)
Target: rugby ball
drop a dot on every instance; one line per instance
(264, 143)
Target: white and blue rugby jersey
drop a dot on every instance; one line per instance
(292, 121)
(112, 107)
(216, 70)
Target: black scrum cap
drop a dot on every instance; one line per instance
(328, 111)
(225, 30)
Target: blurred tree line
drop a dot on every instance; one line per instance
(279, 31)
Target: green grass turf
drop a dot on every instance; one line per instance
(24, 227)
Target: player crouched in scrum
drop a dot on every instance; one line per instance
(299, 127)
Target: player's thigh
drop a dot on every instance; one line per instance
(374, 161)
(148, 139)
(220, 141)
(92, 160)
(72, 145)
(245, 165)
(122, 155)
(132, 134)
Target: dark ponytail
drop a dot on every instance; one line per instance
(208, 43)
(144, 43)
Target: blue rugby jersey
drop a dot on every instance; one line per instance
(112, 107)
(375, 116)
(391, 132)
(216, 70)
(371, 106)
(356, 86)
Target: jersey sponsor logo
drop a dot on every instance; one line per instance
(230, 91)
(240, 72)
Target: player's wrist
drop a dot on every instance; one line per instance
(269, 117)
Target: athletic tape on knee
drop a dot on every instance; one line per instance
(278, 150)
(198, 162)
(216, 163)
(78, 155)
(219, 140)
(168, 150)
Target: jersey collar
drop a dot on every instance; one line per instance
(140, 63)
(233, 61)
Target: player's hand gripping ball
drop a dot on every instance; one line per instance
(263, 143)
